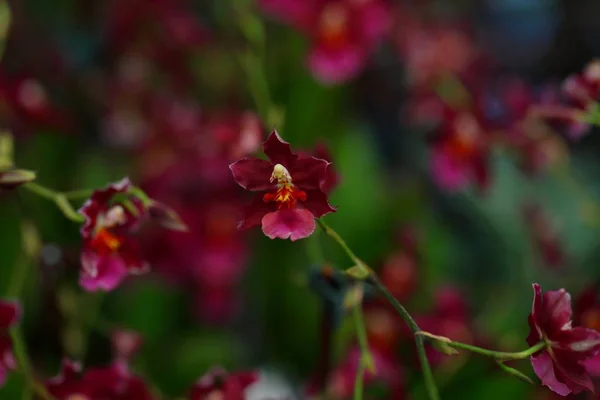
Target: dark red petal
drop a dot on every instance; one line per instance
(252, 174)
(316, 202)
(308, 173)
(255, 211)
(131, 254)
(583, 343)
(556, 312)
(246, 378)
(536, 307)
(278, 150)
(544, 368)
(10, 313)
(534, 336)
(292, 223)
(570, 371)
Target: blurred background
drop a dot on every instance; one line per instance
(447, 183)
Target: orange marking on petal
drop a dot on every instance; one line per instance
(105, 242)
(333, 26)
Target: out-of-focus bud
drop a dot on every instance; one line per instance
(126, 343)
(13, 178)
(166, 217)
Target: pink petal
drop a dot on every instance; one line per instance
(592, 365)
(10, 313)
(316, 202)
(252, 173)
(288, 223)
(101, 272)
(131, 255)
(278, 150)
(333, 67)
(544, 369)
(448, 173)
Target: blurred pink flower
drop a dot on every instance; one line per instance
(388, 374)
(460, 152)
(344, 32)
(449, 318)
(545, 235)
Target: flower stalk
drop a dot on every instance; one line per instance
(430, 386)
(61, 201)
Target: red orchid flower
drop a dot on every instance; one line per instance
(560, 365)
(292, 184)
(10, 314)
(110, 252)
(218, 384)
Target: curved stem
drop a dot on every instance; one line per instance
(58, 198)
(78, 194)
(498, 355)
(426, 369)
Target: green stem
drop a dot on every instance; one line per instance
(78, 194)
(20, 352)
(366, 360)
(335, 236)
(498, 355)
(58, 198)
(358, 383)
(426, 369)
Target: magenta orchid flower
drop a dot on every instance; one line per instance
(344, 32)
(110, 252)
(560, 365)
(10, 314)
(292, 184)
